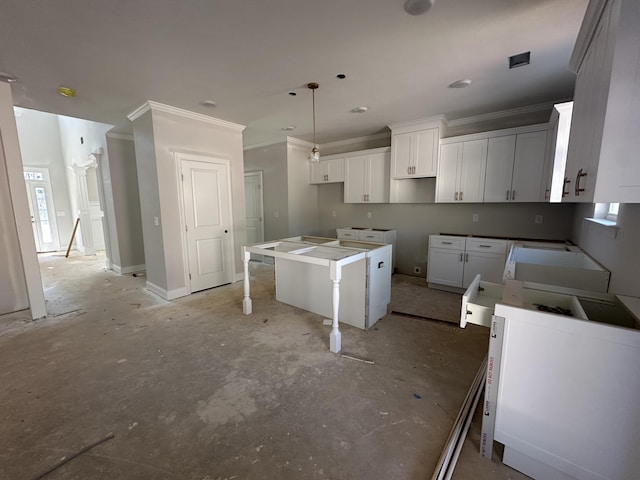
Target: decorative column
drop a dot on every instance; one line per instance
(84, 213)
(246, 301)
(335, 338)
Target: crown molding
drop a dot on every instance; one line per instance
(296, 142)
(120, 136)
(418, 124)
(161, 107)
(512, 112)
(585, 35)
(349, 141)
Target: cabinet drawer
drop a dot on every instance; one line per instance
(448, 242)
(347, 234)
(488, 245)
(369, 236)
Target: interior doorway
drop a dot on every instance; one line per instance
(41, 208)
(254, 211)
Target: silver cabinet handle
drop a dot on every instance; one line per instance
(565, 193)
(408, 170)
(460, 256)
(466, 257)
(447, 243)
(455, 197)
(513, 195)
(547, 194)
(485, 246)
(461, 196)
(508, 195)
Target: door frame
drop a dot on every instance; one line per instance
(50, 201)
(209, 159)
(258, 173)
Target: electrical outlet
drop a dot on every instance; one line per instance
(368, 214)
(476, 217)
(538, 218)
(276, 214)
(417, 269)
(334, 213)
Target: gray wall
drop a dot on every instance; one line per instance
(123, 204)
(621, 254)
(303, 197)
(415, 222)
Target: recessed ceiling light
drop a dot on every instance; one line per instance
(418, 7)
(460, 83)
(341, 76)
(293, 94)
(7, 77)
(208, 103)
(66, 91)
(519, 60)
(359, 109)
(289, 128)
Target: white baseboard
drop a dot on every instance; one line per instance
(167, 294)
(126, 270)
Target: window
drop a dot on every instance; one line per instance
(612, 212)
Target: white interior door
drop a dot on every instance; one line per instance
(41, 209)
(254, 207)
(208, 223)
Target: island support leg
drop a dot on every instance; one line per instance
(246, 301)
(335, 338)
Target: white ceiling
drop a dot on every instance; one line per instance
(248, 54)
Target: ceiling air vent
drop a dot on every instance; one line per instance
(519, 60)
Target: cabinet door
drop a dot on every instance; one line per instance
(490, 266)
(401, 155)
(355, 170)
(447, 179)
(528, 167)
(425, 153)
(500, 154)
(472, 172)
(335, 170)
(445, 267)
(318, 172)
(378, 178)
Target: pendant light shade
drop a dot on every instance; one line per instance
(315, 153)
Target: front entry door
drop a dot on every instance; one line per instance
(41, 209)
(208, 223)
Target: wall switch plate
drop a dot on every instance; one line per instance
(476, 217)
(334, 213)
(538, 218)
(156, 221)
(368, 214)
(276, 214)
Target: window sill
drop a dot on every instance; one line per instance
(607, 227)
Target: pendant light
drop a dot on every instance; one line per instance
(315, 153)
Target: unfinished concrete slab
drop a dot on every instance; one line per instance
(194, 389)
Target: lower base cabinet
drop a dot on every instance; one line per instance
(455, 261)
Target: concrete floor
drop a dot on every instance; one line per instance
(194, 389)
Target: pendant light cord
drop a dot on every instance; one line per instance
(313, 103)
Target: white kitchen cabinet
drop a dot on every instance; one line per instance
(377, 235)
(556, 152)
(328, 170)
(602, 161)
(461, 171)
(515, 164)
(366, 177)
(415, 154)
(455, 261)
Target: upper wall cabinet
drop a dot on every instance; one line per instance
(461, 171)
(328, 170)
(414, 148)
(366, 176)
(514, 167)
(602, 161)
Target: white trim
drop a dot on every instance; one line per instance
(349, 141)
(296, 142)
(195, 153)
(126, 270)
(120, 136)
(161, 107)
(590, 21)
(512, 112)
(419, 124)
(166, 294)
(265, 144)
(538, 127)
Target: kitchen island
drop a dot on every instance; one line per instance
(312, 272)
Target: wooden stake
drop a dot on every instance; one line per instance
(73, 235)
